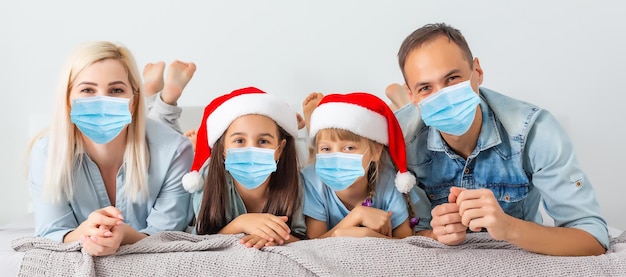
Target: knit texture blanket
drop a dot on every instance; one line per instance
(183, 254)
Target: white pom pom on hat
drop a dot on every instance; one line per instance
(222, 111)
(368, 116)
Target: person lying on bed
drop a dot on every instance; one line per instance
(104, 174)
(162, 96)
(246, 154)
(352, 188)
(487, 160)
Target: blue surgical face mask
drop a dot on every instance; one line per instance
(452, 109)
(250, 166)
(339, 170)
(100, 118)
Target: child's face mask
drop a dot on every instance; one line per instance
(339, 170)
(250, 166)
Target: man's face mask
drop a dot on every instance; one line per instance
(250, 166)
(339, 170)
(452, 109)
(100, 118)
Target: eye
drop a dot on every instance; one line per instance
(238, 140)
(116, 91)
(424, 90)
(264, 141)
(87, 90)
(349, 148)
(323, 149)
(453, 80)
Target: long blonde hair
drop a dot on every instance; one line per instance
(65, 146)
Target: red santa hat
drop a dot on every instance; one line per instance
(368, 116)
(222, 111)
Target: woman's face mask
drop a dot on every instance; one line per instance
(100, 118)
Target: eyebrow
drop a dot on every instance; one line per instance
(261, 135)
(110, 84)
(452, 72)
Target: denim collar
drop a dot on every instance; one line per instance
(489, 134)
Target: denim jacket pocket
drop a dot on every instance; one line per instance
(438, 195)
(511, 197)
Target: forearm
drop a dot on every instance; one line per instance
(349, 221)
(232, 227)
(131, 235)
(557, 241)
(73, 235)
(427, 233)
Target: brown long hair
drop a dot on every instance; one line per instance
(284, 195)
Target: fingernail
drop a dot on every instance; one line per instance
(120, 216)
(108, 234)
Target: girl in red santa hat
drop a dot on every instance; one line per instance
(245, 175)
(352, 189)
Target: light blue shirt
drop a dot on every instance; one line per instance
(235, 206)
(167, 206)
(321, 202)
(522, 155)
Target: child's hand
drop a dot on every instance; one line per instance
(267, 226)
(357, 232)
(255, 242)
(375, 219)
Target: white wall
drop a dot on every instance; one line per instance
(566, 56)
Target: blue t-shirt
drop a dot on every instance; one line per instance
(322, 203)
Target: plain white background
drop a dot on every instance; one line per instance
(566, 56)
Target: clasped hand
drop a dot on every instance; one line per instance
(263, 229)
(473, 209)
(102, 233)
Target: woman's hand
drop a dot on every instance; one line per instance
(104, 246)
(98, 224)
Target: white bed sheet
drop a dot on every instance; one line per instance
(10, 259)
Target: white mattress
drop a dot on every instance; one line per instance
(9, 259)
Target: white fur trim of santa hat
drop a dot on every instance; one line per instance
(352, 118)
(245, 104)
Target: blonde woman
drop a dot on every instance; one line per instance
(103, 173)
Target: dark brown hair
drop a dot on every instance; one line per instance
(428, 33)
(284, 195)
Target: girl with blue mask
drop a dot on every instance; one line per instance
(246, 158)
(103, 173)
(353, 188)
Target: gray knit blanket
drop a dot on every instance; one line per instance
(183, 254)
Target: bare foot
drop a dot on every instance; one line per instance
(178, 75)
(153, 78)
(398, 94)
(192, 136)
(309, 104)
